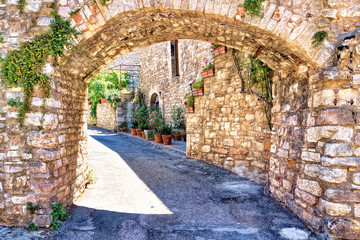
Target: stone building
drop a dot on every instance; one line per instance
(168, 68)
(313, 167)
(166, 71)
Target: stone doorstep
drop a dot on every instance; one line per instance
(152, 142)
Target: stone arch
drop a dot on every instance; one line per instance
(281, 39)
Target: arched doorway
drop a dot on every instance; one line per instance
(154, 100)
(108, 34)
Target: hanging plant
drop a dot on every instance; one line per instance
(24, 67)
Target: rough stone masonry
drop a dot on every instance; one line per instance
(314, 162)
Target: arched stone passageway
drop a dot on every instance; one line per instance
(313, 165)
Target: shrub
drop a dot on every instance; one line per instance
(155, 119)
(214, 46)
(199, 83)
(58, 215)
(140, 115)
(189, 100)
(165, 129)
(208, 65)
(178, 118)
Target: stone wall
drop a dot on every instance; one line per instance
(156, 73)
(229, 128)
(313, 167)
(106, 116)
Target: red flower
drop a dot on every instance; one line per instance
(184, 103)
(212, 43)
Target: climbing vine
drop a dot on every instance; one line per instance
(260, 77)
(253, 7)
(259, 81)
(24, 67)
(21, 5)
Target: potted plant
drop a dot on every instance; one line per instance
(208, 69)
(218, 49)
(123, 126)
(143, 127)
(166, 131)
(178, 119)
(140, 115)
(189, 102)
(155, 121)
(133, 127)
(198, 87)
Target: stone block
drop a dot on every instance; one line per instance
(310, 156)
(356, 178)
(357, 210)
(309, 186)
(338, 150)
(344, 161)
(336, 195)
(334, 209)
(333, 175)
(343, 228)
(335, 117)
(312, 170)
(307, 197)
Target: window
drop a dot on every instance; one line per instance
(174, 58)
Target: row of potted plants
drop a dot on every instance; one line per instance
(208, 69)
(150, 124)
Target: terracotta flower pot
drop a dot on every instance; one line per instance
(133, 131)
(142, 134)
(122, 129)
(208, 73)
(198, 92)
(190, 109)
(167, 139)
(138, 132)
(220, 50)
(177, 137)
(103, 100)
(158, 138)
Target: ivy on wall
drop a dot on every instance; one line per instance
(253, 7)
(259, 81)
(24, 67)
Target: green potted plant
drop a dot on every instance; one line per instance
(156, 120)
(218, 49)
(133, 127)
(140, 115)
(198, 87)
(178, 119)
(166, 131)
(123, 126)
(143, 127)
(189, 102)
(208, 69)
